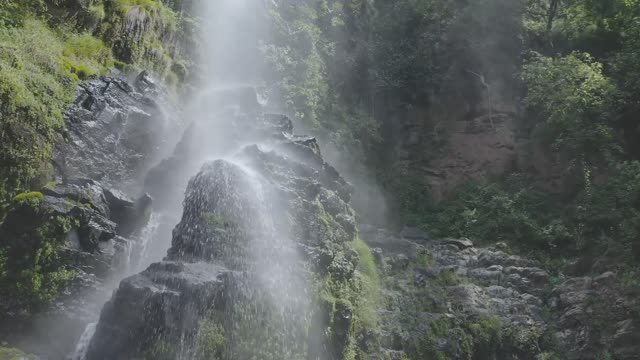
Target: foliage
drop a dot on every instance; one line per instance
(14, 12)
(84, 55)
(575, 103)
(487, 212)
(31, 265)
(34, 91)
(368, 303)
(303, 55)
(486, 333)
(607, 216)
(603, 217)
(28, 195)
(449, 278)
(14, 354)
(211, 340)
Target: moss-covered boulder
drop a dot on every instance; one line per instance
(59, 246)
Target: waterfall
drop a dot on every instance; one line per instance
(83, 343)
(230, 65)
(145, 239)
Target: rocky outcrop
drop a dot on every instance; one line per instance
(74, 237)
(262, 264)
(447, 299)
(69, 240)
(114, 130)
(596, 316)
(482, 148)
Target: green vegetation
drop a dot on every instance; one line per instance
(31, 261)
(346, 286)
(211, 340)
(424, 260)
(14, 354)
(42, 59)
(476, 339)
(367, 306)
(29, 195)
(215, 220)
(449, 278)
(84, 56)
(350, 69)
(34, 91)
(161, 350)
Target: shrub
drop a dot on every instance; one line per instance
(39, 70)
(31, 266)
(34, 91)
(211, 340)
(84, 56)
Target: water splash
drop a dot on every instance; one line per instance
(83, 344)
(145, 240)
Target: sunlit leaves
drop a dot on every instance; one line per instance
(574, 102)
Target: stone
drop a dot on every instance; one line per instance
(415, 234)
(112, 132)
(461, 244)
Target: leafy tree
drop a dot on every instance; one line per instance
(575, 106)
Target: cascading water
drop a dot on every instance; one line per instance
(229, 60)
(148, 233)
(83, 343)
(263, 231)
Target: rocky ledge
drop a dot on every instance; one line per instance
(447, 299)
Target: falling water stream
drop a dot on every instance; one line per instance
(229, 57)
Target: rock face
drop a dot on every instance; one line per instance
(83, 222)
(596, 316)
(87, 226)
(447, 299)
(262, 263)
(482, 148)
(114, 130)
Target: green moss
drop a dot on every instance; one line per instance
(96, 12)
(32, 266)
(161, 350)
(211, 341)
(34, 91)
(84, 56)
(28, 195)
(449, 278)
(371, 298)
(424, 260)
(14, 354)
(425, 348)
(550, 355)
(487, 334)
(215, 220)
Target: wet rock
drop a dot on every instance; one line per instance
(461, 244)
(112, 133)
(134, 320)
(591, 313)
(270, 208)
(415, 234)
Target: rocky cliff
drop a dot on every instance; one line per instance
(448, 299)
(66, 243)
